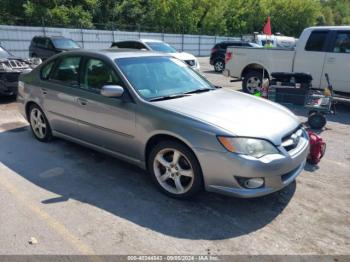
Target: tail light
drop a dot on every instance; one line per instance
(228, 56)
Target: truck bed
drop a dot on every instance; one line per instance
(277, 60)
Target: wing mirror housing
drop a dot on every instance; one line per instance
(112, 91)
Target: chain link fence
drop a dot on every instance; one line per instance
(17, 39)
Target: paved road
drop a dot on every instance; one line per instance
(73, 200)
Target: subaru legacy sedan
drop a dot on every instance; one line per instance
(156, 112)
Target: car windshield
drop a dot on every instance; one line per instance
(155, 77)
(64, 43)
(4, 53)
(161, 47)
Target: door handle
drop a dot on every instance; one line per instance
(331, 60)
(82, 101)
(43, 91)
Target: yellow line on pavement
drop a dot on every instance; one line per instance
(50, 221)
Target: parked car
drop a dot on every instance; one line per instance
(319, 50)
(166, 119)
(217, 55)
(47, 46)
(159, 46)
(10, 69)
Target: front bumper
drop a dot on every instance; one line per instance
(9, 83)
(222, 170)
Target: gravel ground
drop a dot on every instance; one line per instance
(61, 198)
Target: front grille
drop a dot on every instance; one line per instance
(12, 77)
(292, 140)
(190, 62)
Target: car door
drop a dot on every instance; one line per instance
(337, 62)
(60, 91)
(311, 58)
(104, 121)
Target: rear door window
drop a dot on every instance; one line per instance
(317, 41)
(342, 43)
(126, 44)
(68, 71)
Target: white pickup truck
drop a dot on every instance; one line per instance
(319, 50)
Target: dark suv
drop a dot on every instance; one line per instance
(217, 56)
(46, 46)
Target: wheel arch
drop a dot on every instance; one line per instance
(157, 138)
(255, 67)
(27, 107)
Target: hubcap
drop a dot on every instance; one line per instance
(38, 123)
(173, 171)
(219, 66)
(253, 84)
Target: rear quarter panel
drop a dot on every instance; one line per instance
(273, 60)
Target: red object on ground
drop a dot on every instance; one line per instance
(317, 148)
(267, 27)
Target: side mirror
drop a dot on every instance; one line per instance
(112, 91)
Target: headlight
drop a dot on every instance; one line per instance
(248, 146)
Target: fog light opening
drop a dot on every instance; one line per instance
(251, 183)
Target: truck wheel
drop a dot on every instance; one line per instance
(219, 66)
(252, 82)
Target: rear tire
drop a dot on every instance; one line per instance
(39, 124)
(219, 66)
(175, 170)
(252, 82)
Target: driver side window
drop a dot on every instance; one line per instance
(97, 74)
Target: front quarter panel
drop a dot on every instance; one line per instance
(153, 120)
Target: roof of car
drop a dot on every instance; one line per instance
(51, 36)
(115, 53)
(232, 41)
(139, 40)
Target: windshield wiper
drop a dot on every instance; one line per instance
(200, 90)
(160, 98)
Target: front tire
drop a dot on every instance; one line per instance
(252, 82)
(39, 124)
(175, 170)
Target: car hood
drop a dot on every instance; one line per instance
(236, 113)
(183, 56)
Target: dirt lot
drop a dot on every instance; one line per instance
(73, 200)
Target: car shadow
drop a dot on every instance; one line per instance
(212, 72)
(75, 172)
(7, 99)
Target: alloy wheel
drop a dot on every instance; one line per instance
(173, 171)
(253, 84)
(38, 123)
(219, 66)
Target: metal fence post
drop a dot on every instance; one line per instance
(43, 25)
(199, 45)
(113, 33)
(82, 35)
(182, 41)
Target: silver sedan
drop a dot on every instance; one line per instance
(156, 112)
